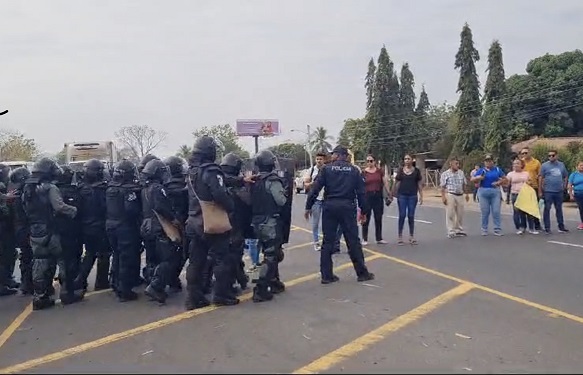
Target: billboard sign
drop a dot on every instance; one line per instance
(257, 128)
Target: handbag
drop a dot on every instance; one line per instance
(215, 219)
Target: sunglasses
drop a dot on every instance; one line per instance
(370, 161)
(552, 155)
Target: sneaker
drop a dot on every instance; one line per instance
(461, 234)
(451, 235)
(533, 231)
(484, 232)
(317, 246)
(580, 226)
(564, 230)
(498, 233)
(382, 242)
(364, 243)
(520, 232)
(548, 232)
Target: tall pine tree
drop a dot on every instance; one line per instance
(495, 117)
(407, 137)
(423, 133)
(469, 107)
(369, 83)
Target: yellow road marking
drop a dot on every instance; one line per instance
(27, 365)
(16, 323)
(507, 296)
(354, 347)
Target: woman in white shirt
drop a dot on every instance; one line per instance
(517, 178)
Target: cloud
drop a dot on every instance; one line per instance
(80, 70)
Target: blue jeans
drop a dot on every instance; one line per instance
(407, 205)
(490, 202)
(253, 250)
(521, 218)
(556, 199)
(316, 215)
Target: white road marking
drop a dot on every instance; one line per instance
(566, 244)
(416, 220)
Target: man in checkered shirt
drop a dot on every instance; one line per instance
(453, 185)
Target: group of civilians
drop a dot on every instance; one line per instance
(490, 184)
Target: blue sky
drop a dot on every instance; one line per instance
(79, 70)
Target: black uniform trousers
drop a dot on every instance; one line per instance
(205, 248)
(125, 243)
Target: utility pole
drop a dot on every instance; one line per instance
(2, 113)
(309, 144)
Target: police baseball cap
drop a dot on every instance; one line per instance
(340, 150)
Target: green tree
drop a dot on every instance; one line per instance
(469, 108)
(408, 141)
(353, 136)
(14, 146)
(294, 151)
(226, 135)
(184, 151)
(320, 140)
(369, 83)
(495, 116)
(383, 115)
(548, 100)
(423, 133)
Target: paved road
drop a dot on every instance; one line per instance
(475, 304)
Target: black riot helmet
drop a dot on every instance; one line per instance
(145, 161)
(66, 178)
(93, 170)
(156, 170)
(124, 171)
(19, 175)
(265, 161)
(175, 166)
(4, 173)
(46, 169)
(205, 149)
(232, 164)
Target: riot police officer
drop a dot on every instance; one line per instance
(177, 192)
(70, 229)
(7, 249)
(41, 201)
(343, 184)
(149, 244)
(157, 212)
(92, 191)
(208, 238)
(21, 228)
(123, 220)
(268, 197)
(241, 216)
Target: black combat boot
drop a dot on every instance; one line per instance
(195, 299)
(42, 302)
(276, 286)
(156, 294)
(102, 276)
(366, 276)
(261, 293)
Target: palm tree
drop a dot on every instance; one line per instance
(320, 139)
(184, 152)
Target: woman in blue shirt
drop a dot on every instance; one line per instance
(490, 178)
(575, 188)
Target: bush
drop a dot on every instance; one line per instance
(571, 154)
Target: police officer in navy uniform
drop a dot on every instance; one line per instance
(177, 192)
(239, 189)
(156, 206)
(343, 184)
(93, 211)
(21, 228)
(123, 220)
(149, 245)
(268, 197)
(41, 202)
(206, 181)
